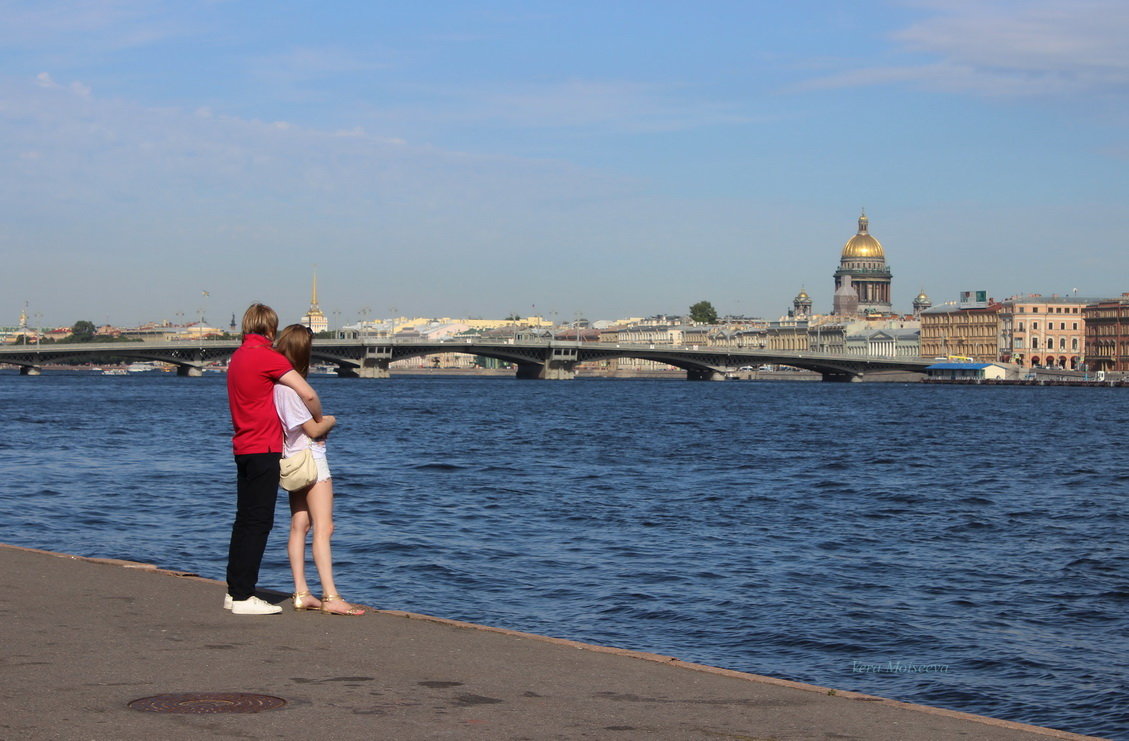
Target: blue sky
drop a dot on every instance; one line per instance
(606, 159)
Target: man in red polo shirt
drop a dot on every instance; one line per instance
(251, 375)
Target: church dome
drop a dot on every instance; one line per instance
(862, 244)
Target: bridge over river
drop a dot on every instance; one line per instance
(551, 359)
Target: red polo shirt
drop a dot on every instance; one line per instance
(251, 375)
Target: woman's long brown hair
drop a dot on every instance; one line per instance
(294, 343)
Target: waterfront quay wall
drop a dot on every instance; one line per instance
(142, 653)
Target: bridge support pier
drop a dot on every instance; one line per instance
(375, 362)
(189, 371)
(30, 370)
(560, 365)
(529, 371)
(557, 371)
(379, 369)
(703, 374)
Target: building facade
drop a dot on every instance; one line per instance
(884, 343)
(951, 331)
(1107, 334)
(1044, 331)
(787, 335)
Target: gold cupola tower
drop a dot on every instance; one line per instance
(864, 261)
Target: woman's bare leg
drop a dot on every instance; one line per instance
(319, 501)
(296, 545)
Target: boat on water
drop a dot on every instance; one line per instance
(115, 372)
(141, 367)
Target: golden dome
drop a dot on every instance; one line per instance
(862, 244)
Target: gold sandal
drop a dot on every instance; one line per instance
(301, 601)
(326, 599)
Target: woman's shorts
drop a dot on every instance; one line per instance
(323, 469)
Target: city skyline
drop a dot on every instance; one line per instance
(521, 158)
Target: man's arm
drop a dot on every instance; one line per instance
(305, 392)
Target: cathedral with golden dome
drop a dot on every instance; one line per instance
(862, 282)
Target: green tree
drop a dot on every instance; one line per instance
(703, 313)
(82, 331)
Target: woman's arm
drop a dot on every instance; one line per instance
(317, 430)
(305, 392)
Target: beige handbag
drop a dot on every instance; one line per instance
(298, 471)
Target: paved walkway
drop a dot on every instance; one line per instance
(82, 638)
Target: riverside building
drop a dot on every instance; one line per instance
(970, 329)
(1032, 331)
(1039, 331)
(1107, 334)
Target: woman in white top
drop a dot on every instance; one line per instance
(314, 505)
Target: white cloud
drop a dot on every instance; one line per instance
(101, 182)
(88, 24)
(1003, 47)
(44, 80)
(612, 105)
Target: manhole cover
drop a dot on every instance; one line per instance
(208, 702)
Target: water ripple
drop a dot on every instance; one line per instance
(844, 535)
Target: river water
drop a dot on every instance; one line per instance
(963, 547)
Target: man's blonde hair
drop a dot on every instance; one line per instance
(260, 319)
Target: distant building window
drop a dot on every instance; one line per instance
(1075, 326)
(1021, 326)
(1034, 343)
(1034, 326)
(1034, 309)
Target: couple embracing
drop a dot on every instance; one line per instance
(275, 414)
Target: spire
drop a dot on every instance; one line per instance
(863, 222)
(315, 318)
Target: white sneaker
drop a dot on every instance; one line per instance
(254, 606)
(227, 600)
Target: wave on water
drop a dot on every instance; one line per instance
(896, 540)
